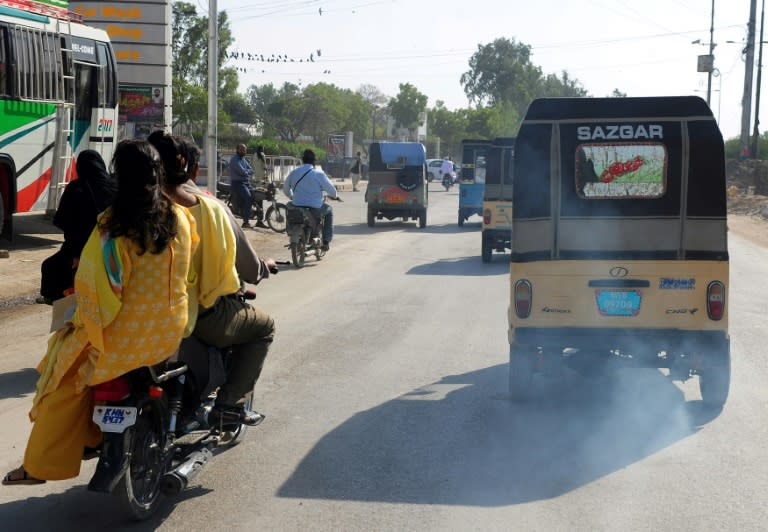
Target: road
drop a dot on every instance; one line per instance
(386, 410)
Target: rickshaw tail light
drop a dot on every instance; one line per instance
(523, 298)
(487, 216)
(111, 391)
(715, 300)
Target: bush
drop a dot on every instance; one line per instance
(281, 147)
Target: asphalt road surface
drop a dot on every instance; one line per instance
(386, 410)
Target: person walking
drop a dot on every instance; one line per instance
(259, 183)
(356, 170)
(240, 172)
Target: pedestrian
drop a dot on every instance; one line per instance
(81, 203)
(240, 172)
(356, 170)
(259, 183)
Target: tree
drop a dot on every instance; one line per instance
(449, 126)
(190, 65)
(502, 71)
(407, 107)
(376, 102)
(618, 94)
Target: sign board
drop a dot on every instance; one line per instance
(336, 147)
(706, 63)
(140, 32)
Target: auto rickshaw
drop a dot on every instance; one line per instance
(472, 180)
(619, 242)
(497, 197)
(397, 186)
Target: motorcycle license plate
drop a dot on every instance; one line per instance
(114, 418)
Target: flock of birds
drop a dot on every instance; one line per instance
(279, 58)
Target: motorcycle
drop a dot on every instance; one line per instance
(158, 432)
(274, 216)
(305, 231)
(448, 181)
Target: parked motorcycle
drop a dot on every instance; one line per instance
(158, 434)
(305, 233)
(275, 214)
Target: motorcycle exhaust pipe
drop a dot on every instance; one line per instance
(175, 481)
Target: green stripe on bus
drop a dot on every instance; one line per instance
(15, 114)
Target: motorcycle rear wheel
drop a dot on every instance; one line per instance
(298, 253)
(277, 217)
(139, 489)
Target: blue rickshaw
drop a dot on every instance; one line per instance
(472, 183)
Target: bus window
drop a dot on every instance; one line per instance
(85, 95)
(4, 63)
(107, 88)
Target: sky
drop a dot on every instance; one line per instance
(640, 48)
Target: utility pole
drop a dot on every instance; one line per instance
(213, 84)
(749, 67)
(756, 132)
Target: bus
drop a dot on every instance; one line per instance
(58, 96)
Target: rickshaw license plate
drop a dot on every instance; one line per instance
(394, 195)
(618, 302)
(114, 418)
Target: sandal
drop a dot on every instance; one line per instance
(20, 476)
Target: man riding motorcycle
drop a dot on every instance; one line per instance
(223, 318)
(305, 186)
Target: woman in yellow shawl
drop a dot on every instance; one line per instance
(132, 309)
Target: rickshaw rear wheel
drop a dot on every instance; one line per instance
(423, 219)
(461, 219)
(487, 249)
(371, 217)
(521, 366)
(715, 380)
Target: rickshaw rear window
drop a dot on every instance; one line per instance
(626, 170)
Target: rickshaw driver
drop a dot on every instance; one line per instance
(305, 186)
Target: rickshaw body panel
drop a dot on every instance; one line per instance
(472, 184)
(619, 239)
(497, 198)
(397, 180)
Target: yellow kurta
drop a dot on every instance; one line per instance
(112, 334)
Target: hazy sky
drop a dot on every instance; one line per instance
(641, 48)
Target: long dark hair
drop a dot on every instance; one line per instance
(140, 211)
(172, 155)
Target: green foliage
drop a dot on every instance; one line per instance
(190, 67)
(280, 147)
(407, 106)
(502, 72)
